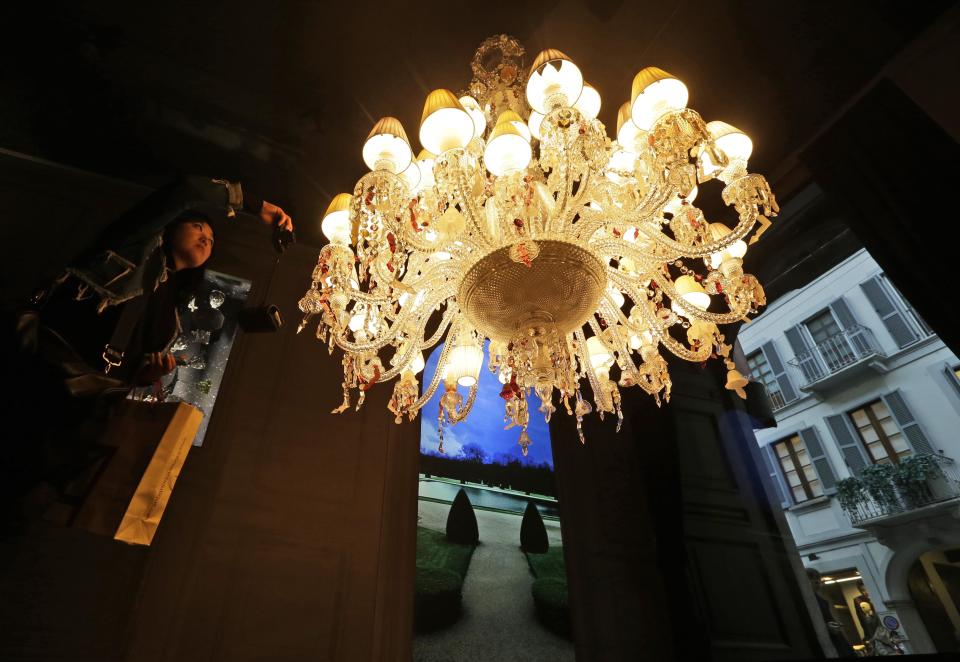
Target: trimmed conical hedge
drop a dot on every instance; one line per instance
(462, 522)
(533, 534)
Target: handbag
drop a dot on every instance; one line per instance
(79, 378)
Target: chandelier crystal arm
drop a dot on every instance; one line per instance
(669, 342)
(459, 415)
(735, 315)
(438, 373)
(444, 323)
(599, 395)
(466, 202)
(747, 221)
(624, 358)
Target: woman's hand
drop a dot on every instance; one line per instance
(272, 214)
(155, 366)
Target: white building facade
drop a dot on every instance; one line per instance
(865, 452)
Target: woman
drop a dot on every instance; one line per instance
(107, 325)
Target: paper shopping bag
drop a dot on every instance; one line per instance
(151, 442)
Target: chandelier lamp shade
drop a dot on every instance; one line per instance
(577, 261)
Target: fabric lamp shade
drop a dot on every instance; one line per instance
(388, 147)
(336, 224)
(655, 92)
(553, 74)
(445, 124)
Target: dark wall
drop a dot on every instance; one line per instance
(291, 532)
(667, 528)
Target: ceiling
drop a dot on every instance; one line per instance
(282, 94)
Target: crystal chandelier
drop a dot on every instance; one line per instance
(520, 221)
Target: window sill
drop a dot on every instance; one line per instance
(815, 503)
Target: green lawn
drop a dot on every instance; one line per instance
(435, 551)
(549, 564)
(441, 568)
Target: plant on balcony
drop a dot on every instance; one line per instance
(912, 475)
(878, 481)
(850, 492)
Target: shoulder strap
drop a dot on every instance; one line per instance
(122, 334)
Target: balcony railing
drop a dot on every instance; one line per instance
(776, 400)
(903, 496)
(838, 352)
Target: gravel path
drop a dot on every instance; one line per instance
(498, 623)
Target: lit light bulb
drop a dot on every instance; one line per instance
(589, 102)
(417, 364)
(600, 356)
(676, 204)
(387, 147)
(534, 122)
(336, 225)
(476, 114)
(692, 292)
(425, 161)
(357, 320)
(445, 124)
(554, 78)
(517, 122)
(628, 135)
(411, 176)
(655, 93)
(736, 250)
(507, 150)
(730, 140)
(616, 295)
(464, 364)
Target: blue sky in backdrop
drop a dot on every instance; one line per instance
(485, 423)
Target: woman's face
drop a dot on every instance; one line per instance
(192, 242)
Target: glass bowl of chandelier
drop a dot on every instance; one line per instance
(581, 258)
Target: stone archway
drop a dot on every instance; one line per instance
(906, 551)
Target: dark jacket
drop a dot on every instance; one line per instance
(128, 261)
(128, 258)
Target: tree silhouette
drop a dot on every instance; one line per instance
(473, 452)
(462, 521)
(533, 533)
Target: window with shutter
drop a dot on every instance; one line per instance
(767, 368)
(829, 340)
(805, 357)
(908, 423)
(796, 464)
(770, 464)
(890, 314)
(920, 324)
(848, 441)
(811, 438)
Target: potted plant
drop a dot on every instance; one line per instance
(912, 476)
(850, 494)
(878, 482)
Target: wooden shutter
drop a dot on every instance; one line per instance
(848, 440)
(806, 359)
(908, 423)
(772, 466)
(811, 439)
(779, 370)
(891, 316)
(841, 311)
